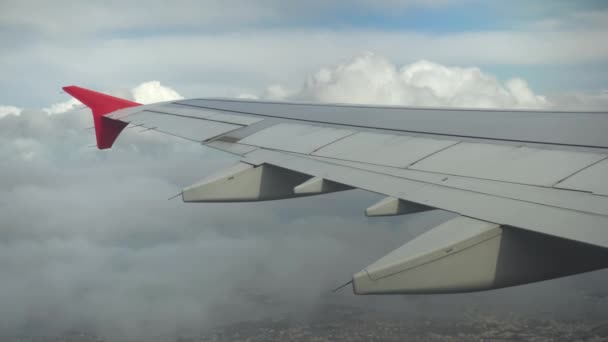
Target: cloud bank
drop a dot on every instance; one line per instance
(90, 242)
(153, 91)
(9, 110)
(373, 79)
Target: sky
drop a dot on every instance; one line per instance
(88, 238)
(225, 48)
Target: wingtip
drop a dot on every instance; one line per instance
(100, 103)
(106, 129)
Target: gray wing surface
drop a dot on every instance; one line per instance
(529, 187)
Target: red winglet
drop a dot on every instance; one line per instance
(106, 129)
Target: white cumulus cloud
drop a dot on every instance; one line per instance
(9, 110)
(63, 107)
(153, 91)
(375, 80)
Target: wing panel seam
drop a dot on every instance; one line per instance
(577, 172)
(432, 154)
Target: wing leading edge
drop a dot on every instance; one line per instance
(529, 210)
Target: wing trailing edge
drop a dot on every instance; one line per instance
(106, 129)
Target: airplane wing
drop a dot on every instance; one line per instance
(529, 187)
